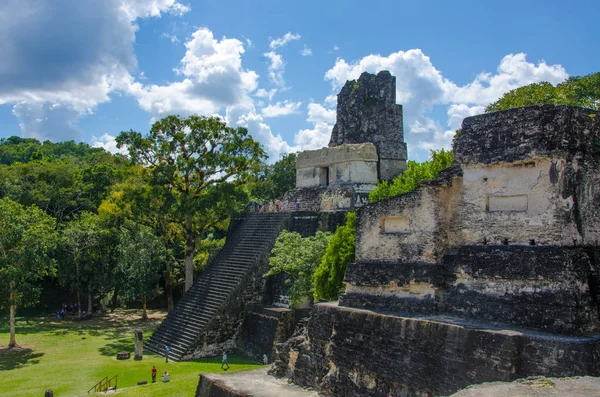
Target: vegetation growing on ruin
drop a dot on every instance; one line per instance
(581, 91)
(415, 173)
(298, 257)
(329, 277)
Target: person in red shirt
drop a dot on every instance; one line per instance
(153, 374)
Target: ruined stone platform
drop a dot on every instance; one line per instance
(565, 387)
(427, 355)
(248, 384)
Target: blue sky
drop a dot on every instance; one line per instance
(86, 70)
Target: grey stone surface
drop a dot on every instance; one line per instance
(528, 133)
(536, 387)
(248, 384)
(353, 352)
(138, 337)
(367, 112)
(489, 273)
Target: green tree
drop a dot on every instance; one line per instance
(198, 162)
(272, 181)
(27, 235)
(413, 174)
(142, 260)
(574, 91)
(328, 280)
(84, 261)
(298, 257)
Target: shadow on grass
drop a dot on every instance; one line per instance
(17, 358)
(119, 344)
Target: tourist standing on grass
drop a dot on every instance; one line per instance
(265, 359)
(224, 361)
(153, 374)
(165, 377)
(167, 351)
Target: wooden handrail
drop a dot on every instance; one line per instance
(104, 384)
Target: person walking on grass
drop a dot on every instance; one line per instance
(224, 361)
(167, 351)
(153, 374)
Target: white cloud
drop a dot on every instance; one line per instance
(336, 48)
(318, 136)
(171, 37)
(331, 101)
(305, 51)
(246, 116)
(457, 112)
(282, 41)
(319, 114)
(152, 8)
(281, 109)
(420, 86)
(98, 36)
(37, 118)
(213, 78)
(109, 143)
(513, 72)
(276, 68)
(262, 93)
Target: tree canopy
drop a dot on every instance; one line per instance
(27, 236)
(298, 257)
(198, 163)
(581, 91)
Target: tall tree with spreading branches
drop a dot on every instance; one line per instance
(27, 235)
(198, 162)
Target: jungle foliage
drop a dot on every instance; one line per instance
(413, 175)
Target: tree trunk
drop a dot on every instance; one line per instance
(89, 309)
(78, 303)
(169, 288)
(190, 247)
(13, 340)
(113, 304)
(78, 290)
(145, 313)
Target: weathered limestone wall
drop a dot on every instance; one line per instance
(367, 112)
(566, 137)
(548, 288)
(497, 261)
(354, 352)
(345, 164)
(522, 212)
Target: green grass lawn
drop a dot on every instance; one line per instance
(69, 357)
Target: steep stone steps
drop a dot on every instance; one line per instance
(249, 243)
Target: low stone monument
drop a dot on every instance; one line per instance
(139, 344)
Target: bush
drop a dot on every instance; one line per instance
(328, 281)
(413, 175)
(298, 257)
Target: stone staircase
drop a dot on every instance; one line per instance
(224, 276)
